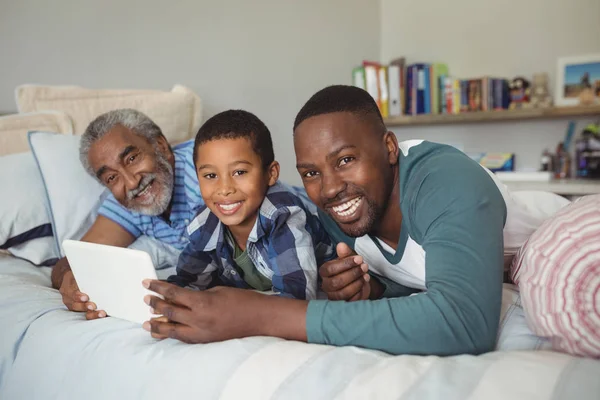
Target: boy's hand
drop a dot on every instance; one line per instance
(346, 277)
(77, 301)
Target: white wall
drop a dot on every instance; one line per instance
(494, 37)
(266, 56)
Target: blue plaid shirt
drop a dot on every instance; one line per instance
(287, 245)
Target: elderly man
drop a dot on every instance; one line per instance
(420, 230)
(154, 191)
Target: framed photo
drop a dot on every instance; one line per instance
(574, 75)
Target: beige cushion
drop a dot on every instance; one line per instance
(14, 128)
(178, 112)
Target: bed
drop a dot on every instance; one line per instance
(47, 352)
(50, 353)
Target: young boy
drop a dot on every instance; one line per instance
(254, 232)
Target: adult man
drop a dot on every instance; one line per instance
(426, 219)
(154, 191)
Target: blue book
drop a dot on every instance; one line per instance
(408, 89)
(420, 87)
(427, 90)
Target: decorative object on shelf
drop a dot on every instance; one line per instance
(519, 93)
(540, 95)
(495, 162)
(578, 80)
(587, 152)
(562, 163)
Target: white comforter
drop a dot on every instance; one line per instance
(49, 353)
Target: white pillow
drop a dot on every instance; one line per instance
(177, 112)
(25, 228)
(14, 128)
(73, 195)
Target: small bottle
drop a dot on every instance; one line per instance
(563, 163)
(546, 161)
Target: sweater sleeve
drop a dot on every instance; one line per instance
(457, 214)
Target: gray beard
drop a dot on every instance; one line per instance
(163, 182)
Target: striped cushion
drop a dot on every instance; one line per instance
(558, 273)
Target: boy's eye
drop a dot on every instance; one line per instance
(210, 176)
(345, 160)
(310, 174)
(239, 172)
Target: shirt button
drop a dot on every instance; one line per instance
(187, 221)
(183, 239)
(233, 273)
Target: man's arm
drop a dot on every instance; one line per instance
(458, 215)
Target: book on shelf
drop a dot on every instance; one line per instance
(400, 89)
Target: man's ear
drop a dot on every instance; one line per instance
(391, 145)
(273, 172)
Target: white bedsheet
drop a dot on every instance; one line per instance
(47, 352)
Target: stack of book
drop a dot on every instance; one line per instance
(428, 88)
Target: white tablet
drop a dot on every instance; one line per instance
(112, 278)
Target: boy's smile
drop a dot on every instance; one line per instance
(233, 183)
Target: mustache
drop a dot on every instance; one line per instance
(146, 180)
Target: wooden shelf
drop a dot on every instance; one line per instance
(494, 116)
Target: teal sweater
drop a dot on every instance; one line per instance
(453, 209)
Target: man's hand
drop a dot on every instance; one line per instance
(222, 313)
(347, 278)
(77, 301)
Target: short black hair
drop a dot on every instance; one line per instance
(341, 98)
(233, 124)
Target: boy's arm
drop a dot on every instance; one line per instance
(292, 255)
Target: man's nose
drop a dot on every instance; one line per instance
(331, 186)
(132, 180)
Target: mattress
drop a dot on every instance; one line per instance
(47, 352)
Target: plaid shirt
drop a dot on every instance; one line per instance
(287, 245)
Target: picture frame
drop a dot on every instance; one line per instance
(571, 78)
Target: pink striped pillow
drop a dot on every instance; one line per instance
(558, 273)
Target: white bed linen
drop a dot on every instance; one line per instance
(47, 352)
